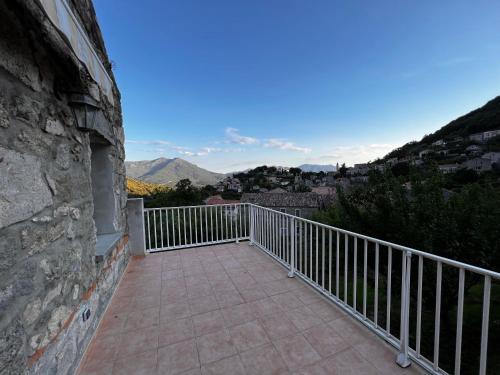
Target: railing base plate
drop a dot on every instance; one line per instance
(403, 361)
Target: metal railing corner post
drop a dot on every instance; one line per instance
(292, 248)
(402, 358)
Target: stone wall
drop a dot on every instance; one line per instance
(48, 268)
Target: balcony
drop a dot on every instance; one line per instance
(299, 297)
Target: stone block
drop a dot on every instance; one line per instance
(23, 191)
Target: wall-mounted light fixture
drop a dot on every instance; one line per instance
(84, 110)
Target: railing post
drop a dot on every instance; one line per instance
(252, 225)
(402, 358)
(235, 213)
(292, 247)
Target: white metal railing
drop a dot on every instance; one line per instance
(368, 278)
(171, 228)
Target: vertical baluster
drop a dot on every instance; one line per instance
(179, 225)
(217, 223)
(231, 222)
(355, 274)
(173, 226)
(330, 261)
(460, 317)
(196, 225)
(389, 280)
(402, 358)
(201, 224)
(337, 267)
(316, 272)
(419, 304)
(485, 325)
(190, 227)
(149, 231)
(161, 228)
(184, 225)
(437, 317)
(375, 308)
(227, 227)
(167, 227)
(346, 265)
(365, 274)
(206, 224)
(212, 223)
(323, 257)
(155, 229)
(310, 253)
(301, 265)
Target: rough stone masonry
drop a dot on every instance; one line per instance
(49, 271)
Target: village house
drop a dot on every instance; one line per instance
(493, 156)
(484, 136)
(473, 150)
(298, 204)
(449, 168)
(478, 164)
(439, 142)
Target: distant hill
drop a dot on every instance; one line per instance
(140, 188)
(479, 120)
(317, 168)
(170, 171)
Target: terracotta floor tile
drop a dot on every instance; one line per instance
(203, 304)
(266, 306)
(112, 324)
(175, 310)
(175, 331)
(215, 346)
(172, 274)
(287, 300)
(208, 322)
(146, 302)
(248, 335)
(102, 369)
(138, 364)
(142, 319)
(327, 311)
(199, 290)
(250, 295)
(349, 362)
(380, 355)
(296, 351)
(238, 314)
(263, 360)
(303, 318)
(325, 340)
(226, 366)
(178, 358)
(229, 298)
(349, 330)
(135, 342)
(278, 326)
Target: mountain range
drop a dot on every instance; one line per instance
(170, 171)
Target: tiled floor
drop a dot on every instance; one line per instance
(228, 309)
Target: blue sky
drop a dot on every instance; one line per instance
(235, 84)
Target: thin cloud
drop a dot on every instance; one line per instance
(149, 143)
(285, 145)
(234, 137)
(361, 153)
